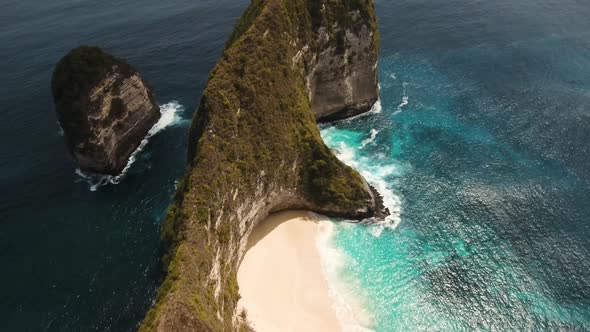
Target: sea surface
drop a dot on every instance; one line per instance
(72, 259)
(480, 145)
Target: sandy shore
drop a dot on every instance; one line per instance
(281, 280)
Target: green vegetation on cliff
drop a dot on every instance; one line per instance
(74, 75)
(80, 69)
(253, 142)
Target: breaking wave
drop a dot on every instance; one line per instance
(350, 298)
(60, 130)
(375, 109)
(349, 303)
(170, 116)
(376, 170)
(405, 100)
(371, 139)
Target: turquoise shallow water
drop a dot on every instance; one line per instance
(481, 145)
(481, 149)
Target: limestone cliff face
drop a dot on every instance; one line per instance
(104, 108)
(254, 149)
(341, 61)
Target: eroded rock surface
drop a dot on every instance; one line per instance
(255, 148)
(104, 108)
(342, 70)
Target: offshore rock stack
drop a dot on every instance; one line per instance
(104, 108)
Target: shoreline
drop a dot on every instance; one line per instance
(281, 278)
(170, 115)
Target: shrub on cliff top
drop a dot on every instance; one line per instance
(80, 69)
(254, 130)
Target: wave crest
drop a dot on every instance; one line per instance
(349, 304)
(170, 115)
(376, 169)
(405, 100)
(371, 139)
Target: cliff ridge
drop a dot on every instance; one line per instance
(255, 148)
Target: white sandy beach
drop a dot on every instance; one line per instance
(281, 280)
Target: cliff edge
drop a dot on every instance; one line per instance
(341, 59)
(104, 108)
(255, 148)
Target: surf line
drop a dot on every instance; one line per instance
(369, 140)
(375, 109)
(170, 116)
(405, 99)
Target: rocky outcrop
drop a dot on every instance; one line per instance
(255, 148)
(104, 108)
(342, 62)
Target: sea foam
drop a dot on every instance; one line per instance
(349, 304)
(371, 139)
(376, 170)
(170, 116)
(375, 109)
(348, 294)
(405, 99)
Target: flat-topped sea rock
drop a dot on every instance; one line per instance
(104, 108)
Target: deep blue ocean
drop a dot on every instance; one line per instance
(480, 144)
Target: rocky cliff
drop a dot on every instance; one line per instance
(255, 149)
(341, 60)
(104, 108)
